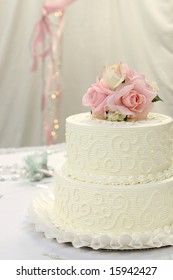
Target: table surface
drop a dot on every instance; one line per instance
(18, 238)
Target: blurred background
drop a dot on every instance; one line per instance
(96, 33)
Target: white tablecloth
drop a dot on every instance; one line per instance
(18, 238)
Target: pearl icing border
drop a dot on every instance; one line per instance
(118, 180)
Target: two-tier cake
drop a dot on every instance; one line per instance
(115, 190)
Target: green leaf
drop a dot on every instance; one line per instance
(157, 98)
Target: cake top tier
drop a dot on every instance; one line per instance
(126, 152)
(121, 94)
(86, 119)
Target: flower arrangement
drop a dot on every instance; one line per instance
(121, 94)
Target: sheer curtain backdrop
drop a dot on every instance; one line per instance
(96, 32)
(20, 89)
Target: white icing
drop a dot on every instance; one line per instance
(117, 180)
(112, 210)
(40, 214)
(87, 119)
(116, 189)
(112, 151)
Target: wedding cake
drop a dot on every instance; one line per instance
(115, 189)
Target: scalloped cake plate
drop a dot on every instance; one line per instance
(40, 214)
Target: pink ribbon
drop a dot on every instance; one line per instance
(43, 29)
(50, 7)
(48, 43)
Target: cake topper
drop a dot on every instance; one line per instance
(121, 94)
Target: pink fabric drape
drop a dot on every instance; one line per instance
(48, 43)
(43, 29)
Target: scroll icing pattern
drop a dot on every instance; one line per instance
(157, 208)
(151, 162)
(112, 210)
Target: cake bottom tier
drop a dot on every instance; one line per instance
(98, 210)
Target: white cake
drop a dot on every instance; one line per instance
(117, 178)
(115, 190)
(111, 153)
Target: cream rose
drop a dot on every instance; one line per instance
(113, 76)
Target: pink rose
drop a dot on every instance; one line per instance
(96, 97)
(130, 73)
(122, 92)
(133, 99)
